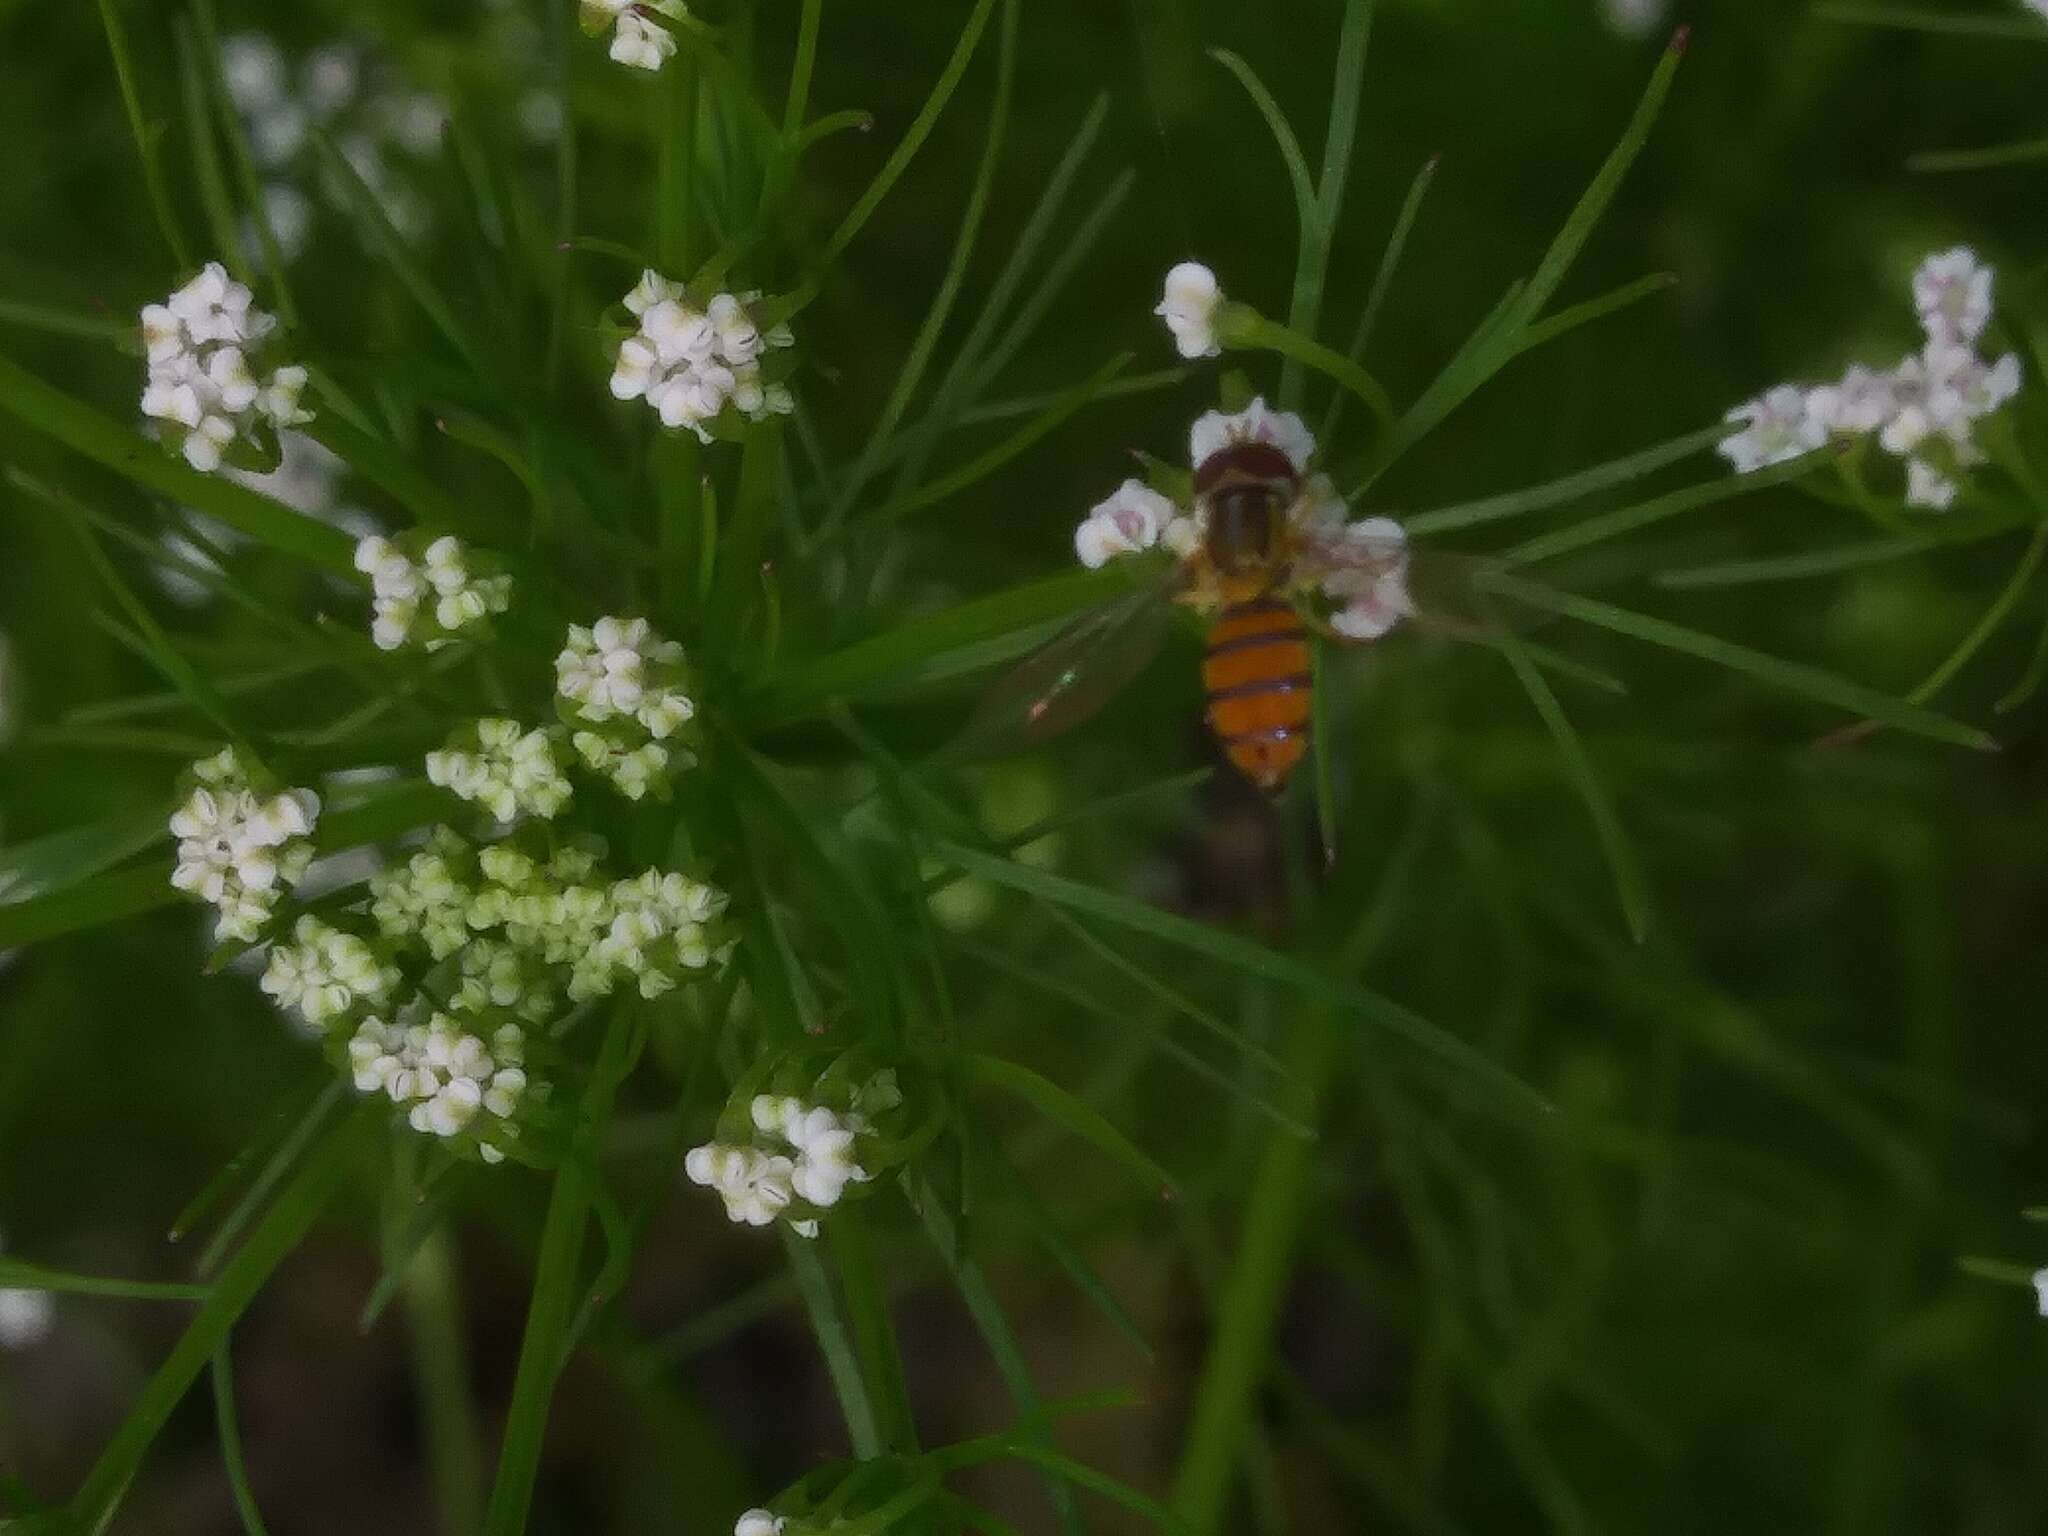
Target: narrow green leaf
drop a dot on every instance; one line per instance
(1075, 1115)
(1244, 955)
(808, 686)
(913, 140)
(1578, 764)
(841, 1362)
(1572, 487)
(57, 861)
(64, 322)
(20, 1275)
(1991, 157)
(553, 1302)
(87, 904)
(1830, 561)
(983, 465)
(1382, 284)
(1565, 321)
(228, 1426)
(1913, 19)
(276, 1168)
(1610, 525)
(380, 464)
(78, 426)
(213, 186)
(383, 241)
(1793, 677)
(245, 164)
(145, 137)
(281, 1230)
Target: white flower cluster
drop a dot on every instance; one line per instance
(433, 599)
(334, 90)
(660, 932)
(1131, 519)
(326, 974)
(624, 690)
(238, 851)
(509, 771)
(1361, 568)
(1189, 308)
(1924, 410)
(639, 40)
(658, 928)
(203, 388)
(690, 364)
(449, 1082)
(800, 1161)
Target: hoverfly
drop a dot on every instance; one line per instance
(1264, 553)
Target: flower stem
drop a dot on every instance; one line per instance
(873, 1334)
(554, 1287)
(1255, 330)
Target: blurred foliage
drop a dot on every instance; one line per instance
(1716, 1289)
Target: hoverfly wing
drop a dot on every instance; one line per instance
(1073, 674)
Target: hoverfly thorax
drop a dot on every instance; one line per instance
(1246, 489)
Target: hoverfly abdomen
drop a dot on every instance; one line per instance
(1259, 682)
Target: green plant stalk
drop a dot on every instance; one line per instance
(1312, 261)
(145, 140)
(678, 162)
(1247, 328)
(799, 102)
(228, 1425)
(814, 1285)
(555, 1289)
(1237, 1359)
(280, 1231)
(244, 163)
(433, 1313)
(874, 1336)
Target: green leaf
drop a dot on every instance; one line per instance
(383, 241)
(245, 165)
(913, 139)
(807, 687)
(213, 186)
(842, 1364)
(1076, 1116)
(1830, 561)
(1382, 284)
(1913, 19)
(79, 427)
(1614, 843)
(1793, 677)
(1572, 487)
(280, 1231)
(145, 137)
(56, 861)
(64, 322)
(1991, 157)
(228, 1425)
(553, 1303)
(87, 904)
(985, 464)
(1610, 525)
(1565, 321)
(19, 1274)
(1244, 955)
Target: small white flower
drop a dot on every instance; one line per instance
(2041, 1275)
(1952, 291)
(1370, 583)
(1216, 430)
(759, 1522)
(1778, 426)
(1131, 519)
(237, 852)
(401, 589)
(1860, 402)
(509, 771)
(200, 382)
(641, 43)
(1927, 487)
(253, 68)
(1189, 309)
(1634, 18)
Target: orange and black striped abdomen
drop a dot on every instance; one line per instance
(1257, 677)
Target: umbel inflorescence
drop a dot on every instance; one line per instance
(1926, 410)
(439, 986)
(217, 391)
